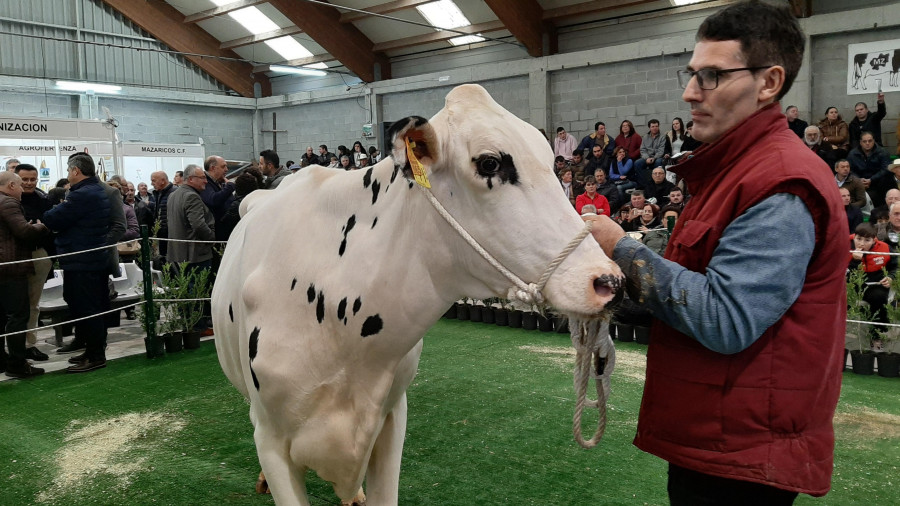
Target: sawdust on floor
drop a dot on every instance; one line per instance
(630, 364)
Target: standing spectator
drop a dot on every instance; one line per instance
(797, 125)
(590, 196)
(218, 193)
(870, 163)
(143, 211)
(865, 121)
(853, 184)
(744, 365)
(82, 222)
(17, 240)
(118, 225)
(676, 135)
(58, 193)
(162, 189)
(655, 151)
(854, 215)
(564, 144)
(243, 186)
(598, 138)
(629, 140)
(309, 158)
(813, 138)
(324, 155)
(179, 178)
(270, 166)
(191, 220)
(835, 131)
(35, 203)
(143, 194)
(11, 164)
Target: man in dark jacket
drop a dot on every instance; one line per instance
(82, 223)
(217, 195)
(869, 162)
(797, 125)
(162, 188)
(608, 189)
(866, 121)
(17, 239)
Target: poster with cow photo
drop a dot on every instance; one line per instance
(873, 67)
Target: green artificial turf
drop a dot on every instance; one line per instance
(489, 423)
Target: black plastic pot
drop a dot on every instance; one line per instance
(515, 319)
(173, 341)
(156, 347)
(192, 340)
(544, 324)
(642, 335)
(475, 313)
(450, 314)
(863, 362)
(889, 365)
(844, 363)
(625, 333)
(487, 314)
(529, 320)
(462, 312)
(612, 330)
(501, 317)
(561, 324)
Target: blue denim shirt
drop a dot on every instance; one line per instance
(754, 276)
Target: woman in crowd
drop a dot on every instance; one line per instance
(358, 150)
(649, 220)
(835, 131)
(619, 171)
(629, 139)
(676, 135)
(658, 239)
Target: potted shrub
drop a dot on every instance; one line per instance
(451, 312)
(501, 314)
(195, 284)
(858, 338)
(475, 310)
(889, 358)
(624, 333)
(462, 310)
(515, 315)
(642, 334)
(487, 311)
(149, 318)
(529, 319)
(560, 323)
(544, 323)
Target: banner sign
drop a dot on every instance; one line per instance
(40, 128)
(873, 67)
(173, 150)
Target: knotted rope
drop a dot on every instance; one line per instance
(595, 357)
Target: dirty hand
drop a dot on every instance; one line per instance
(606, 232)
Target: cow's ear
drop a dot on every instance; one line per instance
(422, 140)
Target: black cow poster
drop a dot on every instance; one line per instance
(873, 67)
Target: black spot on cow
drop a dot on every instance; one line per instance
(320, 307)
(394, 174)
(231, 313)
(376, 187)
(311, 293)
(345, 322)
(367, 179)
(342, 308)
(371, 326)
(356, 305)
(293, 284)
(254, 345)
(374, 222)
(490, 166)
(346, 230)
(411, 185)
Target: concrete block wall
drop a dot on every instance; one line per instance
(511, 93)
(829, 76)
(38, 105)
(225, 132)
(637, 90)
(332, 123)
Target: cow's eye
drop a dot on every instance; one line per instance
(487, 165)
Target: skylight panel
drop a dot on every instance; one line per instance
(320, 65)
(220, 3)
(288, 48)
(684, 2)
(253, 20)
(465, 39)
(443, 14)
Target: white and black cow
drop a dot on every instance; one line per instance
(329, 283)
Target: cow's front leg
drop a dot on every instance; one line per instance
(383, 473)
(286, 481)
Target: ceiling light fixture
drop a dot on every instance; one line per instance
(297, 70)
(83, 86)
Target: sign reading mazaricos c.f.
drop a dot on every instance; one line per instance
(873, 67)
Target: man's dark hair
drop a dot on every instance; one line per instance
(840, 160)
(270, 157)
(563, 172)
(179, 173)
(577, 152)
(860, 104)
(768, 34)
(589, 180)
(25, 166)
(879, 213)
(639, 193)
(559, 159)
(865, 229)
(668, 207)
(84, 163)
(652, 122)
(597, 125)
(321, 146)
(788, 108)
(288, 163)
(245, 183)
(864, 133)
(676, 189)
(561, 129)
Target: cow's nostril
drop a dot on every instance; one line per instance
(606, 285)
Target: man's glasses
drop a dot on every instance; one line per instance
(708, 79)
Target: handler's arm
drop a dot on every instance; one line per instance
(755, 274)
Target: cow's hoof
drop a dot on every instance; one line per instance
(262, 486)
(359, 500)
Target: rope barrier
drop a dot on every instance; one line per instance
(45, 327)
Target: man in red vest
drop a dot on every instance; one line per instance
(745, 358)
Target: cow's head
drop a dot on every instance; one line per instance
(492, 172)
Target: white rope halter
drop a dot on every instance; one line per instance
(595, 355)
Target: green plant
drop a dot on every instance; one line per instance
(183, 282)
(858, 309)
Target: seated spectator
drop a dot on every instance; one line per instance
(335, 164)
(598, 161)
(865, 247)
(570, 187)
(345, 163)
(690, 143)
(655, 152)
(813, 139)
(635, 211)
(588, 210)
(295, 167)
(676, 198)
(358, 152)
(835, 131)
(889, 233)
(590, 196)
(629, 140)
(866, 121)
(325, 156)
(559, 163)
(620, 170)
(853, 184)
(890, 197)
(309, 157)
(597, 138)
(374, 155)
(797, 125)
(870, 163)
(579, 166)
(363, 161)
(658, 239)
(854, 215)
(564, 144)
(660, 187)
(879, 216)
(676, 135)
(606, 188)
(647, 219)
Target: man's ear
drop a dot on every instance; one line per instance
(422, 141)
(773, 82)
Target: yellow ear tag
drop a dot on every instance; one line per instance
(417, 167)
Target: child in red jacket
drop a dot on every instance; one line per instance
(878, 285)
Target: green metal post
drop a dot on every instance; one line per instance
(152, 342)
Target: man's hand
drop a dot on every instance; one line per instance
(650, 161)
(866, 182)
(886, 282)
(606, 232)
(881, 98)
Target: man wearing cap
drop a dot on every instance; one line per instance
(363, 160)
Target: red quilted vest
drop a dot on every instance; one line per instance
(764, 414)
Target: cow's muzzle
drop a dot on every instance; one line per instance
(610, 285)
